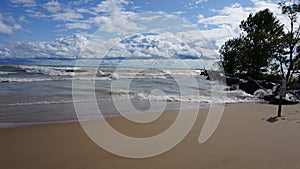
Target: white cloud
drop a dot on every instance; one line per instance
(227, 20)
(217, 37)
(83, 10)
(26, 3)
(200, 1)
(6, 29)
(260, 5)
(52, 6)
(60, 48)
(23, 19)
(195, 3)
(172, 41)
(22, 1)
(178, 12)
(112, 7)
(78, 25)
(138, 46)
(100, 20)
(108, 15)
(36, 14)
(69, 15)
(8, 25)
(134, 36)
(114, 17)
(150, 46)
(230, 16)
(122, 26)
(197, 39)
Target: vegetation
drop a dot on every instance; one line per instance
(290, 57)
(264, 48)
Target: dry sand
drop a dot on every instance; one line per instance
(247, 137)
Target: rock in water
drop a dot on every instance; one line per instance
(232, 81)
(250, 86)
(296, 93)
(285, 101)
(267, 85)
(262, 94)
(295, 86)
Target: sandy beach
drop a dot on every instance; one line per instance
(247, 137)
(130, 84)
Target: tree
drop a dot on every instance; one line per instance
(263, 34)
(256, 47)
(289, 61)
(231, 56)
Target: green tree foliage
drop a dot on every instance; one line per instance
(230, 52)
(255, 49)
(264, 32)
(289, 60)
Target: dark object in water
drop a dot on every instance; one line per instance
(285, 101)
(250, 86)
(205, 73)
(76, 70)
(232, 81)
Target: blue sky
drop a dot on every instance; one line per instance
(37, 20)
(31, 26)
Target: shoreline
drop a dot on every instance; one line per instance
(245, 138)
(65, 113)
(73, 117)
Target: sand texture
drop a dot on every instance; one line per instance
(247, 138)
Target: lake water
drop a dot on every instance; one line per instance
(43, 94)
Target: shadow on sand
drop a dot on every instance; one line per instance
(272, 119)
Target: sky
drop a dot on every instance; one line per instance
(138, 29)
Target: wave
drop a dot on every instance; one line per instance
(121, 92)
(193, 98)
(113, 74)
(53, 71)
(6, 73)
(239, 93)
(46, 70)
(13, 79)
(45, 102)
(144, 96)
(237, 97)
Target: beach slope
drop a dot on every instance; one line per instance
(248, 137)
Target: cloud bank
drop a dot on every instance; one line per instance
(125, 33)
(143, 37)
(226, 20)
